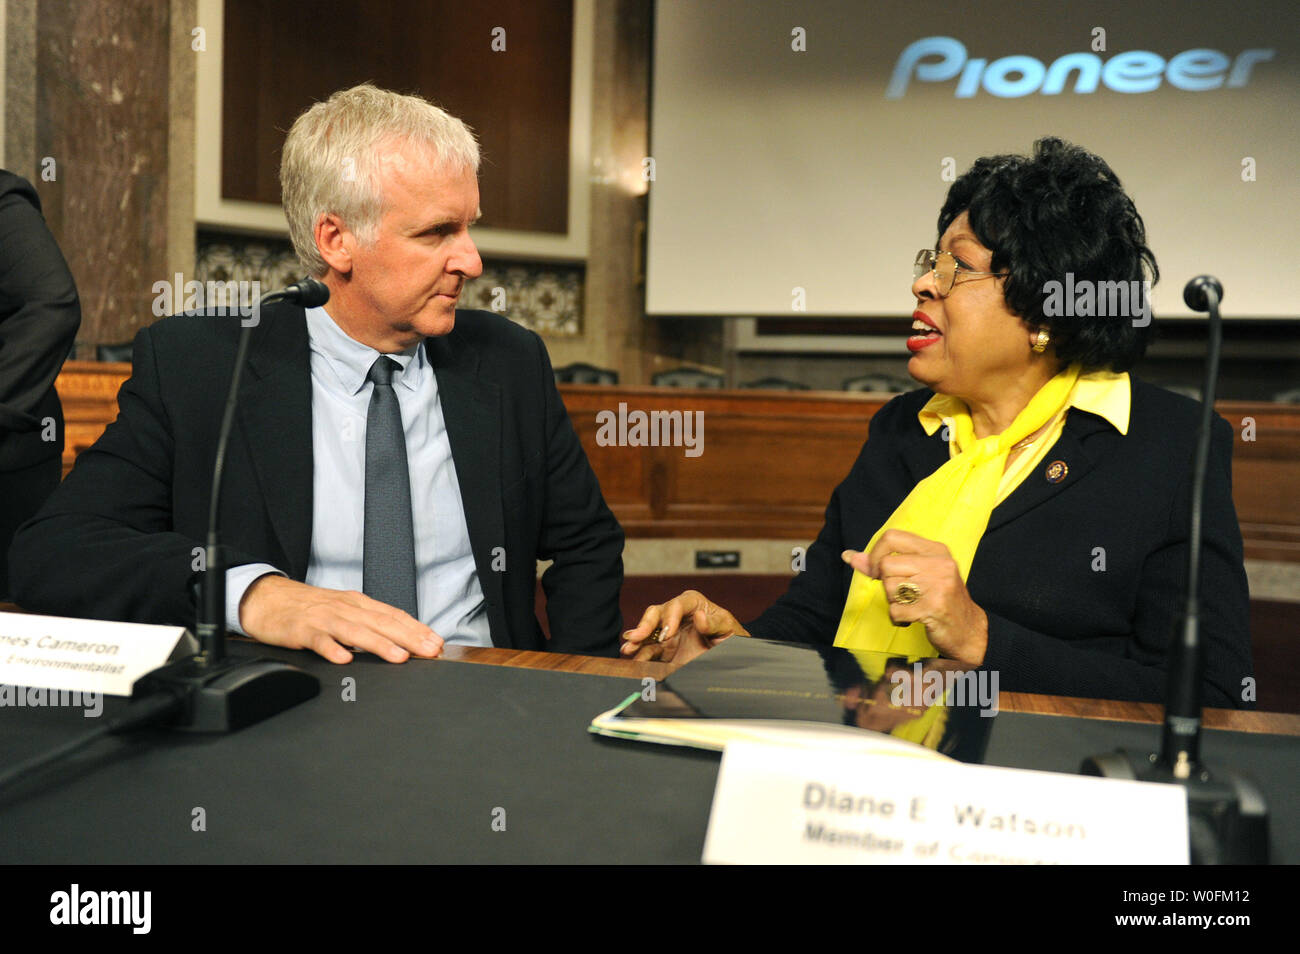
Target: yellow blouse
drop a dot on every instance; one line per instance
(1104, 393)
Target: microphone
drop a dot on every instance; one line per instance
(309, 293)
(1197, 291)
(220, 693)
(1226, 814)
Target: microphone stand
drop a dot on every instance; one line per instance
(1226, 814)
(217, 692)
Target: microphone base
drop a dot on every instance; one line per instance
(229, 694)
(1226, 816)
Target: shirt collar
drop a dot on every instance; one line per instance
(350, 360)
(1104, 393)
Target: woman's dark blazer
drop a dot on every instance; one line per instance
(1083, 580)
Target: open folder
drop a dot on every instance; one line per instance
(763, 690)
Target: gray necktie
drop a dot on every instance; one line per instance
(388, 557)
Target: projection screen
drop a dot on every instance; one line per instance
(801, 151)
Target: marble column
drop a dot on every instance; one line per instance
(91, 91)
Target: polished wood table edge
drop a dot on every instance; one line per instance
(558, 662)
(1235, 720)
(1271, 723)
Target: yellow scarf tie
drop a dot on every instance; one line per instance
(951, 506)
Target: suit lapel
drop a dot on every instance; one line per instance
(1082, 443)
(927, 454)
(1067, 461)
(471, 409)
(275, 414)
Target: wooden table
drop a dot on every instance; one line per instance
(1277, 723)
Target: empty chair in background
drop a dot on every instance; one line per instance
(114, 352)
(581, 373)
(884, 383)
(775, 384)
(687, 378)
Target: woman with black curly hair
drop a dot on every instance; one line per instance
(1026, 511)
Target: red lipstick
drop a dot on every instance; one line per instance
(922, 338)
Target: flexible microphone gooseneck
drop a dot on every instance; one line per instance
(1227, 816)
(1180, 744)
(209, 691)
(309, 293)
(220, 693)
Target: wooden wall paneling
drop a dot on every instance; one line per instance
(768, 464)
(277, 62)
(1266, 476)
(771, 459)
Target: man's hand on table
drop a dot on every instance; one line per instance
(680, 630)
(283, 612)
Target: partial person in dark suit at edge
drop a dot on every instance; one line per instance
(397, 467)
(39, 317)
(1027, 510)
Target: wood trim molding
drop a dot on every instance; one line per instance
(774, 458)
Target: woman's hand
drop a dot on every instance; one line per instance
(954, 624)
(680, 630)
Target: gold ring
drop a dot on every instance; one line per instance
(656, 636)
(907, 593)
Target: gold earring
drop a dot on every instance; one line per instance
(1040, 343)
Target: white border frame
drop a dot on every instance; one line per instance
(211, 209)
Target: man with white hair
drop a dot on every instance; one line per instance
(402, 465)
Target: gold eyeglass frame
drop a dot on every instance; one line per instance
(927, 260)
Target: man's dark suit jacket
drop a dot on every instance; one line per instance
(1058, 622)
(119, 539)
(39, 317)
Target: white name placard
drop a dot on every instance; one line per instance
(84, 655)
(780, 805)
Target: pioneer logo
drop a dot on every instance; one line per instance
(940, 59)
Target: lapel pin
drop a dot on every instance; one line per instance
(1056, 471)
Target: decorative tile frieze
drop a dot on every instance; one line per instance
(544, 297)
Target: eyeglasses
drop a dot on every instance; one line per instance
(945, 269)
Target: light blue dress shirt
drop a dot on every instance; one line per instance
(447, 587)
